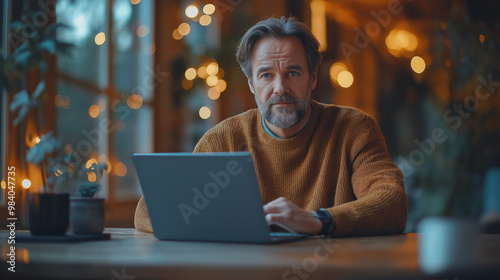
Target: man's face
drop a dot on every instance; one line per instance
(281, 81)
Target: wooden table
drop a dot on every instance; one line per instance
(135, 255)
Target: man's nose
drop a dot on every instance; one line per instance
(281, 85)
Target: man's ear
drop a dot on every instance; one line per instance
(314, 79)
(250, 85)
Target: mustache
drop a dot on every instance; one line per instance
(281, 98)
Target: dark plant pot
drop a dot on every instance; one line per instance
(87, 215)
(48, 213)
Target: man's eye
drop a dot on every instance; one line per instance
(266, 75)
(294, 73)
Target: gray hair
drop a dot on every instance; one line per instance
(277, 28)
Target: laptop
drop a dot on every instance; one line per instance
(205, 197)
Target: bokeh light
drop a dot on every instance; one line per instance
(212, 80)
(94, 111)
(213, 94)
(120, 169)
(209, 9)
(134, 101)
(184, 29)
(205, 20)
(191, 11)
(335, 69)
(100, 38)
(190, 73)
(417, 64)
(176, 35)
(205, 112)
(345, 79)
(26, 183)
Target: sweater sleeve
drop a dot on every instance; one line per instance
(381, 205)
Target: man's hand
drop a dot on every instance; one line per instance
(283, 212)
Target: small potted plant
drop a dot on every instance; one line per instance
(23, 75)
(86, 211)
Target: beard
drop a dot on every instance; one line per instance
(284, 117)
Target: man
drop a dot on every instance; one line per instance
(322, 169)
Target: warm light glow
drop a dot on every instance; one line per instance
(205, 20)
(190, 73)
(135, 2)
(184, 29)
(335, 69)
(100, 38)
(481, 38)
(221, 85)
(213, 94)
(26, 183)
(202, 72)
(90, 162)
(187, 84)
(345, 79)
(38, 139)
(417, 64)
(209, 9)
(92, 177)
(191, 11)
(120, 169)
(205, 112)
(134, 101)
(176, 35)
(94, 111)
(400, 40)
(3, 184)
(142, 30)
(212, 69)
(318, 22)
(108, 164)
(212, 80)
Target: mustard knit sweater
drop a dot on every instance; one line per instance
(338, 162)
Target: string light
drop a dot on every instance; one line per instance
(184, 29)
(120, 169)
(212, 69)
(190, 73)
(205, 20)
(205, 112)
(94, 111)
(213, 94)
(191, 11)
(26, 183)
(335, 69)
(209, 9)
(100, 38)
(417, 64)
(176, 34)
(134, 101)
(345, 79)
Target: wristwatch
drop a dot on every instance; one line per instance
(326, 219)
